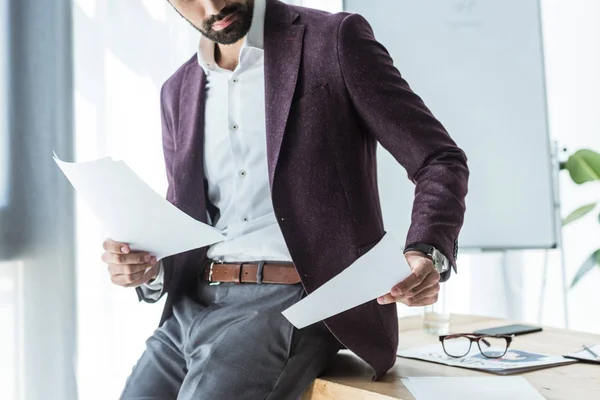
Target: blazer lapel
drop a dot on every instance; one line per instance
(189, 162)
(283, 52)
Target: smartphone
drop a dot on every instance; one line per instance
(510, 330)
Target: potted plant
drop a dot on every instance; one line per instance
(584, 166)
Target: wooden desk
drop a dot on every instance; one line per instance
(349, 378)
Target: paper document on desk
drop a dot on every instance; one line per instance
(514, 361)
(372, 275)
(475, 388)
(585, 355)
(131, 212)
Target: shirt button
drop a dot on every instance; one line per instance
(245, 219)
(235, 127)
(236, 80)
(243, 173)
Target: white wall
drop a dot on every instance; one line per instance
(572, 40)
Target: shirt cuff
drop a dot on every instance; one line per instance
(157, 283)
(151, 292)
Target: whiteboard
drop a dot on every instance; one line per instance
(479, 67)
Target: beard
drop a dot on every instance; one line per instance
(242, 12)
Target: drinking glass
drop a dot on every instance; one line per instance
(436, 317)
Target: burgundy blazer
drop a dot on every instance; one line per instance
(332, 92)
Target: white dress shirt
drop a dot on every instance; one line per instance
(235, 155)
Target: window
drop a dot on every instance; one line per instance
(123, 52)
(11, 354)
(4, 142)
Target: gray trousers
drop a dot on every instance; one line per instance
(231, 343)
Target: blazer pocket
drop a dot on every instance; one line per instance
(311, 99)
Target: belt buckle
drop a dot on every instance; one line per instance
(210, 274)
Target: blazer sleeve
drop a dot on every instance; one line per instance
(167, 119)
(169, 116)
(399, 120)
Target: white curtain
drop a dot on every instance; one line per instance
(124, 51)
(11, 346)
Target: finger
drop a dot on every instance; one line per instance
(116, 247)
(422, 301)
(430, 291)
(126, 280)
(137, 257)
(387, 299)
(146, 277)
(409, 298)
(430, 280)
(419, 273)
(426, 301)
(127, 269)
(411, 282)
(425, 297)
(412, 300)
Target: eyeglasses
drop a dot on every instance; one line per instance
(491, 346)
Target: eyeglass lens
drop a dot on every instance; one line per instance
(489, 346)
(458, 346)
(492, 347)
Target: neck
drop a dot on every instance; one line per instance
(227, 56)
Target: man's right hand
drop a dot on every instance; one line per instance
(129, 268)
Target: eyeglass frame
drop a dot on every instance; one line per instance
(477, 337)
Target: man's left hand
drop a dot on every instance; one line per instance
(420, 288)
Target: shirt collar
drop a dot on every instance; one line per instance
(254, 38)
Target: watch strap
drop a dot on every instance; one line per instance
(440, 261)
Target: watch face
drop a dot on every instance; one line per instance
(438, 260)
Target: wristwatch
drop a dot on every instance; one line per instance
(440, 261)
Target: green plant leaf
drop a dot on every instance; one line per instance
(580, 212)
(592, 261)
(584, 166)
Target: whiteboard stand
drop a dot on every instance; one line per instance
(543, 287)
(559, 235)
(509, 293)
(561, 247)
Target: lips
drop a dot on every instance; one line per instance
(224, 23)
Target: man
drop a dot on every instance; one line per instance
(270, 134)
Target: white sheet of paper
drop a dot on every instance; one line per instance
(586, 355)
(372, 275)
(475, 388)
(131, 212)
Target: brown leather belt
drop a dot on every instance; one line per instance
(275, 272)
